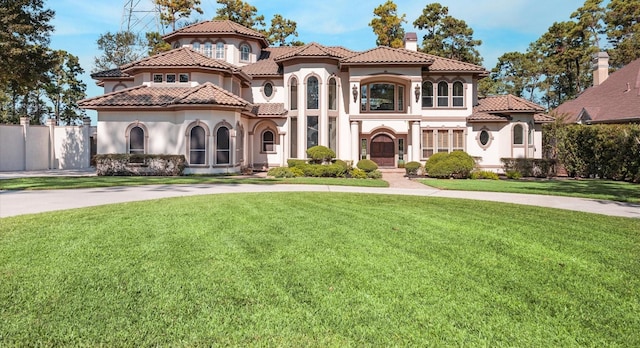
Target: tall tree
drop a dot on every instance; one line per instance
(387, 25)
(24, 57)
(281, 28)
(447, 36)
(590, 19)
(518, 74)
(117, 49)
(171, 11)
(240, 12)
(65, 88)
(156, 44)
(623, 31)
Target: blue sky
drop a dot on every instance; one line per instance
(502, 25)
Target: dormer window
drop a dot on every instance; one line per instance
(208, 49)
(220, 50)
(245, 50)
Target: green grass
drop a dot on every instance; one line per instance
(53, 183)
(597, 189)
(319, 269)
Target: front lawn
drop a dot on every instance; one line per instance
(319, 269)
(586, 188)
(52, 183)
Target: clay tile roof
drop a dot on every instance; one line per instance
(113, 73)
(617, 99)
(388, 55)
(144, 96)
(441, 64)
(219, 28)
(312, 50)
(179, 57)
(499, 109)
(268, 109)
(266, 65)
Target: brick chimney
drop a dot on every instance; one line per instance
(600, 66)
(411, 41)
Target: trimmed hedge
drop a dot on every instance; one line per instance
(412, 168)
(367, 165)
(139, 164)
(320, 154)
(530, 167)
(457, 164)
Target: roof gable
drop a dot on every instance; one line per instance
(222, 28)
(312, 50)
(501, 108)
(387, 55)
(179, 57)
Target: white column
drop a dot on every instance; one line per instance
(355, 142)
(415, 141)
(283, 159)
(250, 152)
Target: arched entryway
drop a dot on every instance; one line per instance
(382, 150)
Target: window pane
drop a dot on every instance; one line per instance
(197, 154)
(458, 94)
(220, 50)
(381, 96)
(427, 143)
(244, 52)
(332, 94)
(294, 138)
(171, 78)
(184, 78)
(312, 131)
(484, 137)
(293, 98)
(222, 145)
(196, 46)
(157, 78)
(333, 133)
(268, 90)
(136, 140)
(363, 97)
(427, 94)
(312, 93)
(400, 98)
(443, 141)
(267, 141)
(518, 138)
(458, 140)
(208, 49)
(443, 94)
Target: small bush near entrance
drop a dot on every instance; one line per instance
(457, 164)
(367, 165)
(412, 168)
(320, 154)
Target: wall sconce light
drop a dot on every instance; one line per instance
(354, 90)
(417, 93)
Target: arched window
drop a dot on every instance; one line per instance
(443, 94)
(518, 135)
(293, 94)
(197, 146)
(208, 49)
(458, 94)
(136, 140)
(220, 50)
(245, 50)
(427, 94)
(268, 141)
(195, 46)
(222, 146)
(312, 92)
(333, 90)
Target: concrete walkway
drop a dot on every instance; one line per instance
(14, 203)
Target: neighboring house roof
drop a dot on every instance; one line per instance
(500, 108)
(145, 96)
(219, 28)
(615, 100)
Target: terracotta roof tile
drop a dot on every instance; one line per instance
(113, 73)
(266, 65)
(218, 27)
(179, 57)
(617, 99)
(441, 64)
(268, 109)
(144, 96)
(388, 55)
(313, 50)
(499, 109)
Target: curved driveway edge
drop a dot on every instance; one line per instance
(14, 203)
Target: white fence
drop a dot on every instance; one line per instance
(27, 147)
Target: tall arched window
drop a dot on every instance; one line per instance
(136, 140)
(197, 146)
(245, 50)
(427, 94)
(333, 91)
(208, 49)
(268, 141)
(518, 135)
(220, 50)
(312, 92)
(222, 146)
(293, 94)
(443, 94)
(458, 94)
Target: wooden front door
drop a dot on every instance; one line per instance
(383, 151)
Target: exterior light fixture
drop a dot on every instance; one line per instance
(417, 93)
(354, 90)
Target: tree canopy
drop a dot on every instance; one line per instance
(174, 10)
(117, 49)
(387, 25)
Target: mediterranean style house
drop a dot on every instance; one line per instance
(611, 99)
(227, 101)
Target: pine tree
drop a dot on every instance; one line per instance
(387, 25)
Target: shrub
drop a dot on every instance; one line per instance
(292, 162)
(140, 164)
(367, 165)
(320, 154)
(485, 174)
(281, 172)
(297, 172)
(346, 166)
(358, 173)
(513, 174)
(412, 168)
(541, 168)
(457, 164)
(374, 174)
